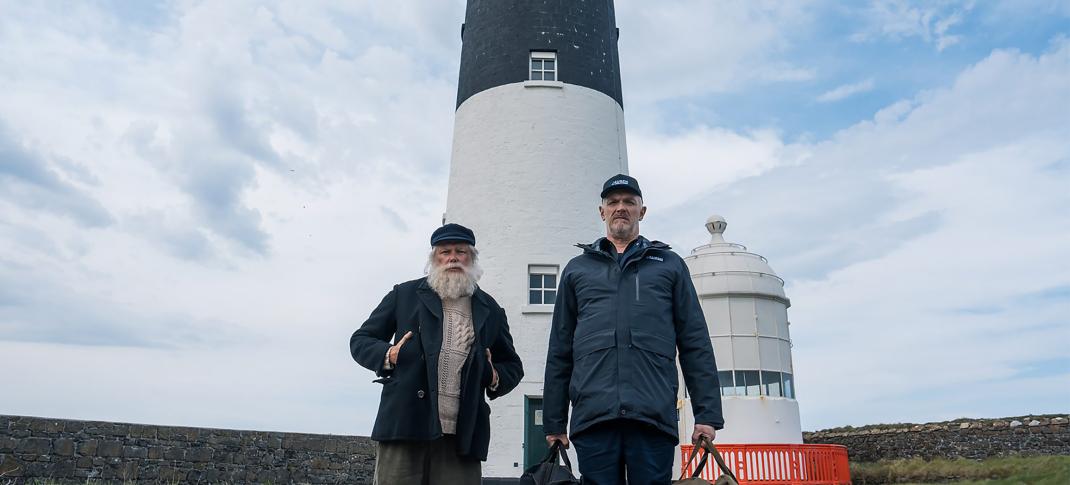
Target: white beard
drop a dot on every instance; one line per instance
(451, 284)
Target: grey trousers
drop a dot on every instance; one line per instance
(424, 463)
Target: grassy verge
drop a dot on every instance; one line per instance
(1039, 470)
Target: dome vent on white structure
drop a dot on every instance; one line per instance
(746, 310)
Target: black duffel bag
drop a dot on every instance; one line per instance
(549, 471)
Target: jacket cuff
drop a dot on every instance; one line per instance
(549, 430)
(488, 374)
(715, 425)
(386, 360)
(386, 368)
(493, 387)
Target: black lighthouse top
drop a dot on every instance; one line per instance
(499, 37)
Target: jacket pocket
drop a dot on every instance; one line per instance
(593, 342)
(654, 343)
(593, 371)
(653, 285)
(653, 375)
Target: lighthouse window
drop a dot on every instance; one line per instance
(789, 386)
(728, 385)
(749, 382)
(542, 284)
(543, 66)
(771, 383)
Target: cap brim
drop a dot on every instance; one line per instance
(452, 240)
(624, 188)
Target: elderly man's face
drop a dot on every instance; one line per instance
(622, 212)
(454, 256)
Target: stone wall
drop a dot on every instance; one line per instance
(961, 438)
(79, 451)
(69, 451)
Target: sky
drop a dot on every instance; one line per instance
(200, 201)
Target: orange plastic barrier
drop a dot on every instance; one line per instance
(779, 464)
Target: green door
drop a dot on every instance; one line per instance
(535, 448)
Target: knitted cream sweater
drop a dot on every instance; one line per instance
(457, 336)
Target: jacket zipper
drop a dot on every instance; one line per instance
(641, 256)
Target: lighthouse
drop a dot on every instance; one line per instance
(745, 307)
(539, 126)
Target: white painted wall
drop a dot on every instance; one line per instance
(528, 163)
(750, 420)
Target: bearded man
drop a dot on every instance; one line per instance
(451, 348)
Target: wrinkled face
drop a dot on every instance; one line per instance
(622, 212)
(453, 256)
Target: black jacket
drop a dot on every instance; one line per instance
(408, 408)
(614, 339)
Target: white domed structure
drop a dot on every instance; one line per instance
(746, 310)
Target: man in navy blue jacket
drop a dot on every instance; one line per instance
(624, 308)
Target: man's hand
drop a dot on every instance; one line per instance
(494, 378)
(703, 430)
(563, 438)
(392, 354)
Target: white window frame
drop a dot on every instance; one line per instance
(541, 270)
(541, 57)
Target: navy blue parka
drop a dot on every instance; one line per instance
(616, 329)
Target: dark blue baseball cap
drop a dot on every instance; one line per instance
(453, 233)
(621, 182)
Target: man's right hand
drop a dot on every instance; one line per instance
(392, 354)
(563, 438)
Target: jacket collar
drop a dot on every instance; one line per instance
(433, 302)
(596, 246)
(429, 298)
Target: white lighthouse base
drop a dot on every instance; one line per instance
(750, 420)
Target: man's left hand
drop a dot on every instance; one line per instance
(494, 378)
(703, 430)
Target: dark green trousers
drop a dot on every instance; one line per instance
(424, 463)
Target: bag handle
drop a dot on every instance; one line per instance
(702, 462)
(555, 451)
(720, 463)
(707, 449)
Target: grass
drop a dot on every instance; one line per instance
(1038, 470)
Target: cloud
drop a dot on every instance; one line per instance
(216, 185)
(35, 308)
(845, 91)
(28, 180)
(180, 238)
(714, 158)
(232, 125)
(260, 387)
(899, 19)
(886, 231)
(693, 47)
(395, 220)
(243, 152)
